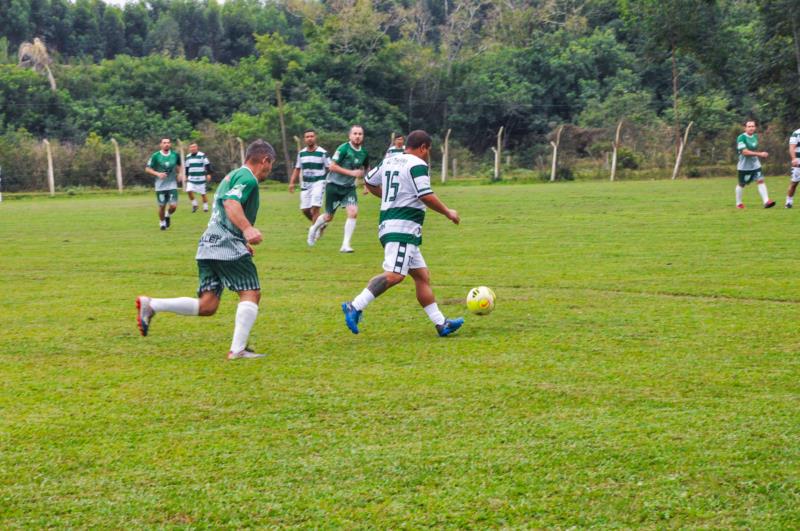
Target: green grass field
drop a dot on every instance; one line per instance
(641, 368)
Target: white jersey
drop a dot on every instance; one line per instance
(404, 180)
(794, 140)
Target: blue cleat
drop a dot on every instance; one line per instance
(450, 326)
(351, 316)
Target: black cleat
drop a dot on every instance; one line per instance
(167, 221)
(769, 204)
(788, 205)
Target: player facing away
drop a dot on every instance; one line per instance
(794, 154)
(404, 186)
(349, 162)
(197, 169)
(224, 254)
(397, 147)
(313, 162)
(749, 166)
(163, 165)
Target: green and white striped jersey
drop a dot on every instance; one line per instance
(223, 240)
(403, 179)
(392, 151)
(313, 165)
(794, 140)
(197, 167)
(747, 163)
(165, 164)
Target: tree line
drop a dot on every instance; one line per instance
(179, 67)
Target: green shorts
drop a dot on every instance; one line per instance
(748, 176)
(236, 275)
(167, 196)
(337, 195)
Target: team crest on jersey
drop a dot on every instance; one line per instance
(236, 191)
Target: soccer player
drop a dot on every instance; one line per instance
(349, 163)
(749, 166)
(224, 254)
(198, 172)
(794, 154)
(404, 186)
(397, 147)
(313, 161)
(163, 165)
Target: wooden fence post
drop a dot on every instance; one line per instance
(555, 153)
(51, 183)
(680, 151)
(283, 130)
(614, 147)
(497, 154)
(455, 168)
(241, 149)
(118, 164)
(182, 170)
(445, 155)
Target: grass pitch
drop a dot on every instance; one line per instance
(641, 368)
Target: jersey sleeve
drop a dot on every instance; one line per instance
(795, 138)
(241, 189)
(297, 164)
(421, 179)
(374, 177)
(151, 162)
(339, 153)
(740, 144)
(326, 160)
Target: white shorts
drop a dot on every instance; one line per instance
(400, 257)
(312, 196)
(198, 188)
(796, 175)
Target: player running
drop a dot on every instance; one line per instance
(163, 165)
(794, 154)
(349, 163)
(404, 186)
(197, 169)
(749, 166)
(224, 254)
(313, 163)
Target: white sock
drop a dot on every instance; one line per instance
(205, 207)
(163, 223)
(194, 202)
(762, 190)
(166, 214)
(434, 314)
(739, 191)
(363, 299)
(349, 228)
(789, 200)
(319, 223)
(246, 314)
(181, 305)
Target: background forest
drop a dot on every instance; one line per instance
(199, 69)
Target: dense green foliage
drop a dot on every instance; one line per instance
(640, 370)
(154, 68)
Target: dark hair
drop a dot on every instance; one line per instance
(418, 139)
(260, 149)
(399, 136)
(165, 138)
(755, 122)
(356, 125)
(309, 131)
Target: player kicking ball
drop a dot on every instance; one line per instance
(749, 166)
(224, 254)
(404, 186)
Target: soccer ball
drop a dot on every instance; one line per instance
(480, 300)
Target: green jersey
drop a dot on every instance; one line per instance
(165, 164)
(403, 180)
(794, 140)
(747, 163)
(223, 240)
(348, 158)
(313, 165)
(197, 167)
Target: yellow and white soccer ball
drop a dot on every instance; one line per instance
(480, 300)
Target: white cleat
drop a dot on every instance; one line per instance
(244, 354)
(346, 250)
(312, 236)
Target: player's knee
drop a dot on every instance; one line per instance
(208, 307)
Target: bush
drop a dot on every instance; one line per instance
(628, 159)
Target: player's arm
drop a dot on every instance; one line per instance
(235, 213)
(372, 183)
(293, 179)
(154, 173)
(344, 171)
(435, 204)
(208, 171)
(374, 190)
(793, 154)
(366, 172)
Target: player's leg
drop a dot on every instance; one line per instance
(305, 203)
(419, 271)
(794, 179)
(762, 190)
(332, 201)
(350, 224)
(205, 202)
(173, 205)
(241, 276)
(161, 200)
(208, 291)
(395, 269)
(742, 176)
(317, 191)
(190, 193)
